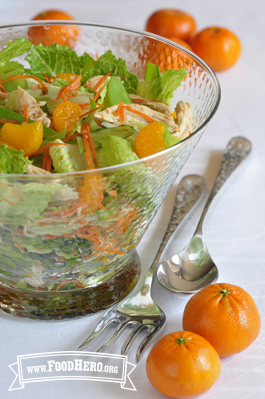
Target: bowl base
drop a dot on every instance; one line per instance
(68, 304)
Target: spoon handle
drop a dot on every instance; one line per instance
(189, 191)
(235, 152)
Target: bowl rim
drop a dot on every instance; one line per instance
(139, 33)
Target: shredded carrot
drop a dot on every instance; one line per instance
(85, 105)
(11, 203)
(139, 113)
(101, 80)
(70, 211)
(48, 162)
(17, 244)
(120, 112)
(78, 284)
(88, 237)
(87, 147)
(35, 87)
(98, 92)
(20, 232)
(45, 158)
(72, 136)
(88, 112)
(112, 193)
(3, 121)
(100, 105)
(88, 135)
(66, 89)
(52, 237)
(114, 251)
(47, 146)
(45, 223)
(26, 113)
(2, 87)
(44, 88)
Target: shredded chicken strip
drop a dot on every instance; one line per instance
(93, 81)
(184, 120)
(35, 112)
(34, 170)
(155, 105)
(130, 117)
(182, 128)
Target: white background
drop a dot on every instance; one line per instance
(235, 226)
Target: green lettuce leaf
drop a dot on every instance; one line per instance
(53, 60)
(117, 150)
(12, 161)
(162, 89)
(169, 138)
(67, 158)
(108, 62)
(27, 202)
(14, 49)
(11, 68)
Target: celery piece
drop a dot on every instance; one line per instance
(152, 71)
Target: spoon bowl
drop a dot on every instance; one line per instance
(193, 268)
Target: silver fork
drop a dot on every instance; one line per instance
(140, 311)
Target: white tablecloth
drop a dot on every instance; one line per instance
(235, 226)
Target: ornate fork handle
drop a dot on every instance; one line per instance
(236, 151)
(188, 193)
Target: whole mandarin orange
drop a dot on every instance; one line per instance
(183, 365)
(172, 23)
(218, 47)
(181, 42)
(225, 315)
(62, 34)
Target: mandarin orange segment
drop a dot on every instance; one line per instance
(65, 116)
(69, 77)
(27, 136)
(91, 194)
(150, 140)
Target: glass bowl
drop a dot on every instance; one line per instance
(63, 255)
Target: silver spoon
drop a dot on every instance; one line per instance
(193, 268)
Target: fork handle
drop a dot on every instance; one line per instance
(189, 191)
(235, 152)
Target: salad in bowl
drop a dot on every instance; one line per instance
(88, 151)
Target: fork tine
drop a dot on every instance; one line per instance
(119, 329)
(127, 343)
(152, 332)
(100, 327)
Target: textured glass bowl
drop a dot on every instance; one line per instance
(60, 255)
